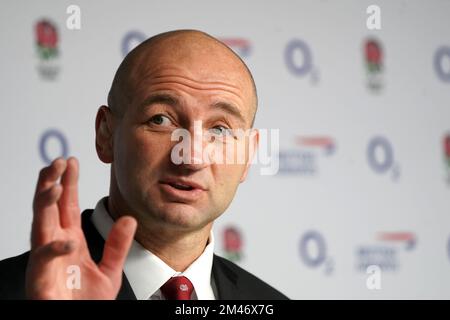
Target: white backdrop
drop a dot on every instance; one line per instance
(363, 176)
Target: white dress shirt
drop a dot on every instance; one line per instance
(146, 273)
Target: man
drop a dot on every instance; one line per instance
(151, 238)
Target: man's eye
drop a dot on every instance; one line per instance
(160, 120)
(221, 131)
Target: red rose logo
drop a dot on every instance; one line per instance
(373, 52)
(46, 34)
(233, 242)
(447, 145)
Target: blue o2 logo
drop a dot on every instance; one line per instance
(309, 240)
(299, 60)
(441, 63)
(293, 49)
(131, 40)
(53, 137)
(313, 251)
(380, 156)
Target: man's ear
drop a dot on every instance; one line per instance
(253, 143)
(104, 129)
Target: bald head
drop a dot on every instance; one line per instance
(206, 59)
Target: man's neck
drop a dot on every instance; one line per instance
(177, 249)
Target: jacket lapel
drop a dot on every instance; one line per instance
(226, 281)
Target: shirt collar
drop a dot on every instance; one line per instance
(146, 273)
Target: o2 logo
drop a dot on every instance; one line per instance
(441, 63)
(49, 140)
(380, 156)
(299, 60)
(313, 251)
(131, 40)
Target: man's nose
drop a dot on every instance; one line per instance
(198, 157)
(191, 150)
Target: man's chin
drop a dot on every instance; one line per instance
(183, 216)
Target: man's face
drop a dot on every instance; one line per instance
(171, 90)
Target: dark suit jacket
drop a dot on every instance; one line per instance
(232, 282)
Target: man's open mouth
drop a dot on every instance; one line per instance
(182, 189)
(181, 186)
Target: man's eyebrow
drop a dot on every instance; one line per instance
(230, 109)
(164, 98)
(161, 98)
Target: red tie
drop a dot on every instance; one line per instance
(177, 288)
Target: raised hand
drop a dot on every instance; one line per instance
(58, 242)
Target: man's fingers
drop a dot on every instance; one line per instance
(48, 197)
(46, 218)
(45, 254)
(45, 209)
(69, 212)
(49, 175)
(117, 246)
(47, 193)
